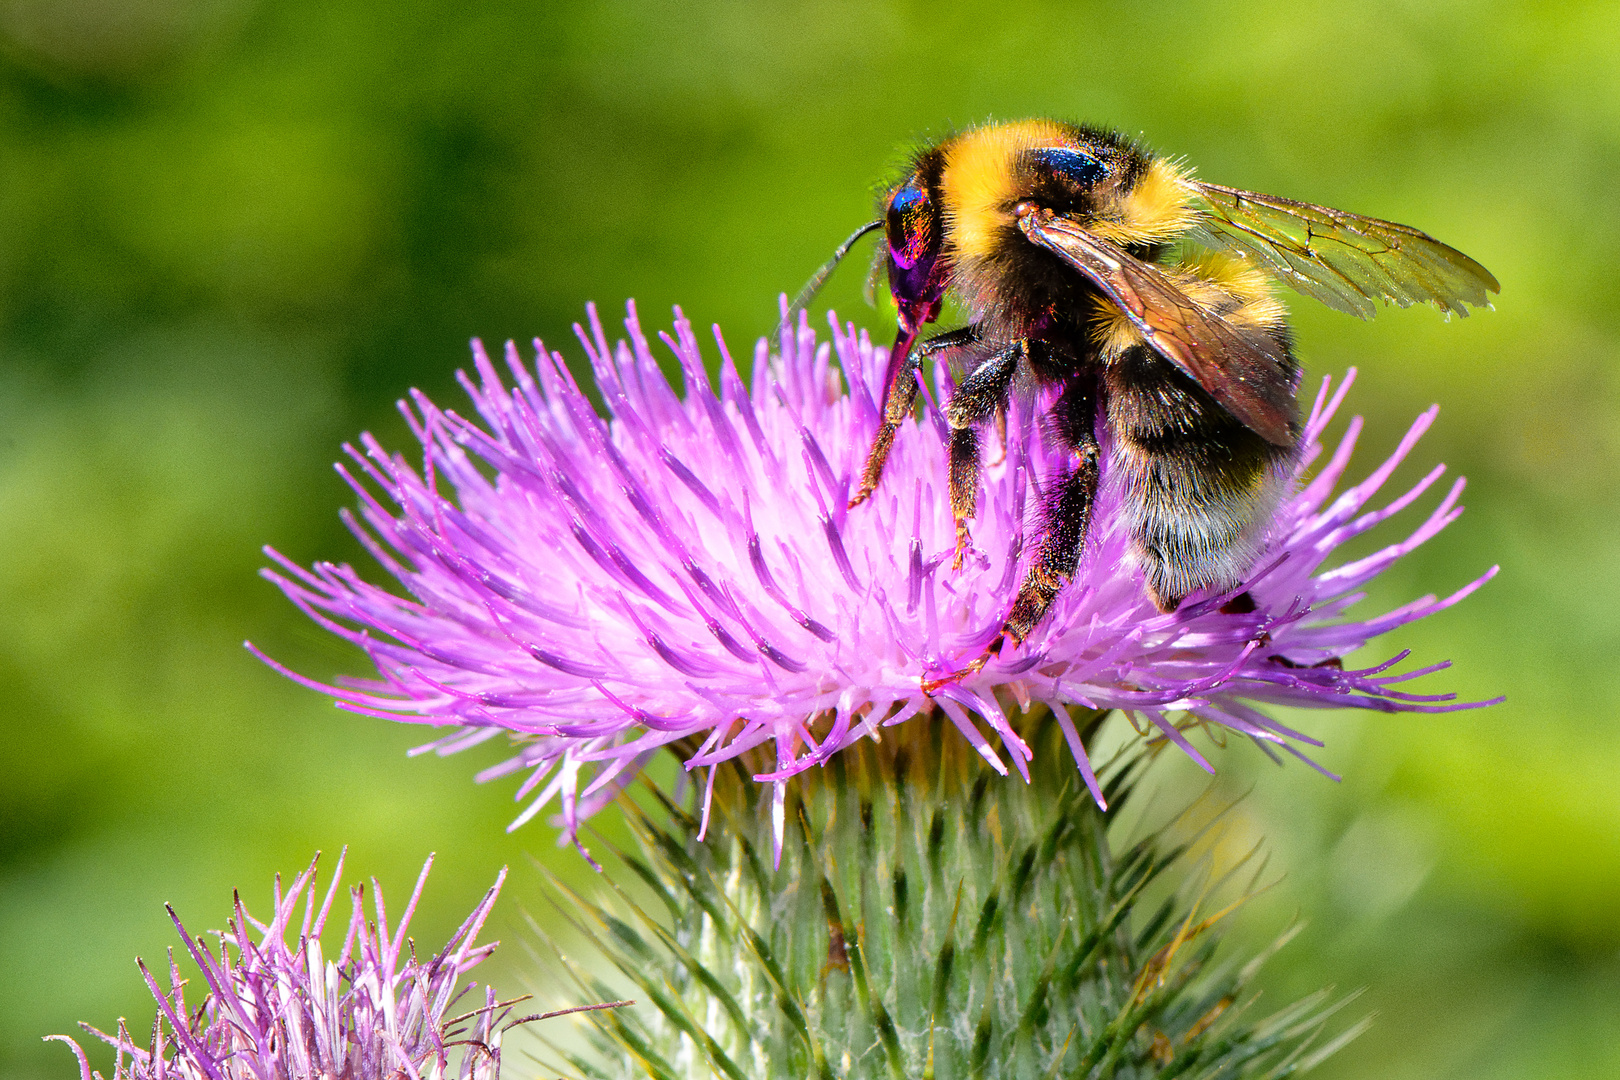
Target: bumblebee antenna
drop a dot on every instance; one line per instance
(807, 294)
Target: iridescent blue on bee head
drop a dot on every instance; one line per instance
(910, 224)
(1075, 166)
(912, 228)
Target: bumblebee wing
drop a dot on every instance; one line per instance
(1342, 259)
(1241, 367)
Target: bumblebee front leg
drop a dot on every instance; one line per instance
(898, 398)
(976, 398)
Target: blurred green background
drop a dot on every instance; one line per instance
(233, 233)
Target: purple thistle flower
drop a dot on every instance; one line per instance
(688, 570)
(274, 1012)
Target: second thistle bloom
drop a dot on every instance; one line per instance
(273, 1008)
(686, 570)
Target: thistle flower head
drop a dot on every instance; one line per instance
(928, 921)
(685, 571)
(274, 1011)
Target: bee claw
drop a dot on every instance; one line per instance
(932, 686)
(964, 546)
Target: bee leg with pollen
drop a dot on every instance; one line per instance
(898, 398)
(976, 398)
(1068, 518)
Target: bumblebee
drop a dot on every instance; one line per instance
(1140, 298)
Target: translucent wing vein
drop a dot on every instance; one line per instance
(1345, 260)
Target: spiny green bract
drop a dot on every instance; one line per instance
(929, 919)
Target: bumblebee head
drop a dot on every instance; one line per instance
(915, 231)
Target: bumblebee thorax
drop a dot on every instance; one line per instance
(1099, 179)
(981, 182)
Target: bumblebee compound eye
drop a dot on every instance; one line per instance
(912, 228)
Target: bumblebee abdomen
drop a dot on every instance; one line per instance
(1199, 486)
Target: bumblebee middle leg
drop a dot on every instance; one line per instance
(976, 398)
(898, 399)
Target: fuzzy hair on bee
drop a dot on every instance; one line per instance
(1141, 298)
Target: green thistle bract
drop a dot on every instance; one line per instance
(929, 919)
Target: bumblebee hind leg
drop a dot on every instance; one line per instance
(1068, 511)
(1068, 518)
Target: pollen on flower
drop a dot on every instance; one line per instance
(685, 572)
